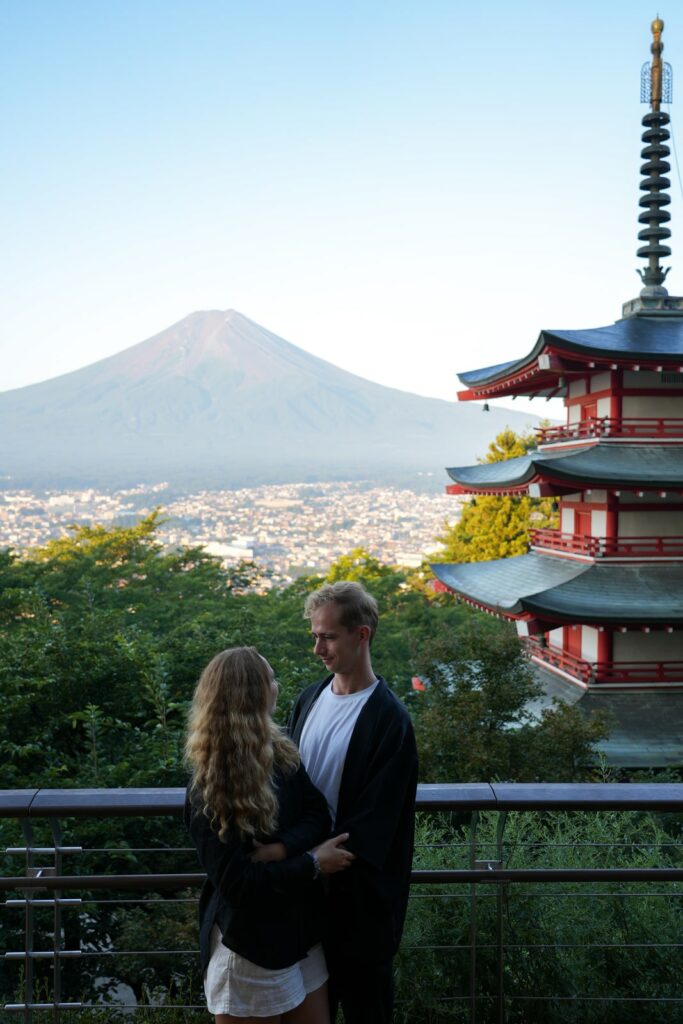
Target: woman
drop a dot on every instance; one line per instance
(261, 830)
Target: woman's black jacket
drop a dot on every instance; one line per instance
(269, 913)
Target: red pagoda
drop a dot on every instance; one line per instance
(599, 601)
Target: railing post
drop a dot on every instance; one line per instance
(501, 897)
(57, 943)
(29, 924)
(474, 821)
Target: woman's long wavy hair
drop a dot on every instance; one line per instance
(233, 745)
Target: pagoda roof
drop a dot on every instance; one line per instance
(646, 725)
(562, 590)
(639, 339)
(604, 464)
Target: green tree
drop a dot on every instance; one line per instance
(497, 527)
(474, 721)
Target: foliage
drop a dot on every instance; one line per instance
(474, 719)
(102, 638)
(497, 527)
(569, 948)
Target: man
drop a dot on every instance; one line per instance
(358, 746)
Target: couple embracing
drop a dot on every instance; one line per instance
(306, 840)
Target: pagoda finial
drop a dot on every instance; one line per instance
(656, 68)
(655, 89)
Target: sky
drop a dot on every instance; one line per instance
(405, 189)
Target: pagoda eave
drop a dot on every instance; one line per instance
(562, 591)
(637, 343)
(603, 465)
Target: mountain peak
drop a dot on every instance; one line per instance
(220, 400)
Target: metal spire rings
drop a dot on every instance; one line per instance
(655, 168)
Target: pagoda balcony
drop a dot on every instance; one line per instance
(621, 673)
(606, 547)
(594, 427)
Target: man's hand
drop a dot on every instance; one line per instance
(266, 853)
(332, 856)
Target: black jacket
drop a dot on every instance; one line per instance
(269, 913)
(368, 902)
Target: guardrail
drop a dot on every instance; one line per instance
(615, 673)
(634, 428)
(47, 808)
(607, 547)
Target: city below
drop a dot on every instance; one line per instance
(288, 530)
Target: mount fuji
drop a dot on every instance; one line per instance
(215, 400)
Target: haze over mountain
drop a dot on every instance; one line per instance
(218, 401)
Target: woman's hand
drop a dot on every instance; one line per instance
(332, 856)
(266, 853)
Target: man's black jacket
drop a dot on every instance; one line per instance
(367, 903)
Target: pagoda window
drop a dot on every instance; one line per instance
(599, 523)
(574, 414)
(555, 638)
(567, 520)
(650, 523)
(650, 379)
(600, 382)
(635, 645)
(577, 387)
(652, 406)
(589, 643)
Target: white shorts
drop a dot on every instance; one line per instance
(237, 986)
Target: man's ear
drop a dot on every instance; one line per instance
(364, 634)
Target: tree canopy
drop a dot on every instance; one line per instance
(103, 635)
(497, 527)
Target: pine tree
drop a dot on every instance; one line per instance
(497, 527)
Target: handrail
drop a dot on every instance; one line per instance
(473, 796)
(613, 426)
(151, 882)
(607, 547)
(627, 673)
(484, 866)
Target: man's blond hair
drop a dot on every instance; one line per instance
(357, 607)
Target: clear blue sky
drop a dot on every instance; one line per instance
(405, 189)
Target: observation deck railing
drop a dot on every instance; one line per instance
(488, 886)
(627, 673)
(634, 428)
(607, 547)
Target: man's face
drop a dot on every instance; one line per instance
(339, 648)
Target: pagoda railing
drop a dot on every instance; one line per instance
(608, 547)
(639, 428)
(628, 673)
(559, 659)
(639, 672)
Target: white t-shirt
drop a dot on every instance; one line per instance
(325, 739)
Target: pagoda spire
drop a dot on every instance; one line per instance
(655, 90)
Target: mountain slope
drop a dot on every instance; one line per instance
(218, 401)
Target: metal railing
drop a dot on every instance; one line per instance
(484, 874)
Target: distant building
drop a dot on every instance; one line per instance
(599, 602)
